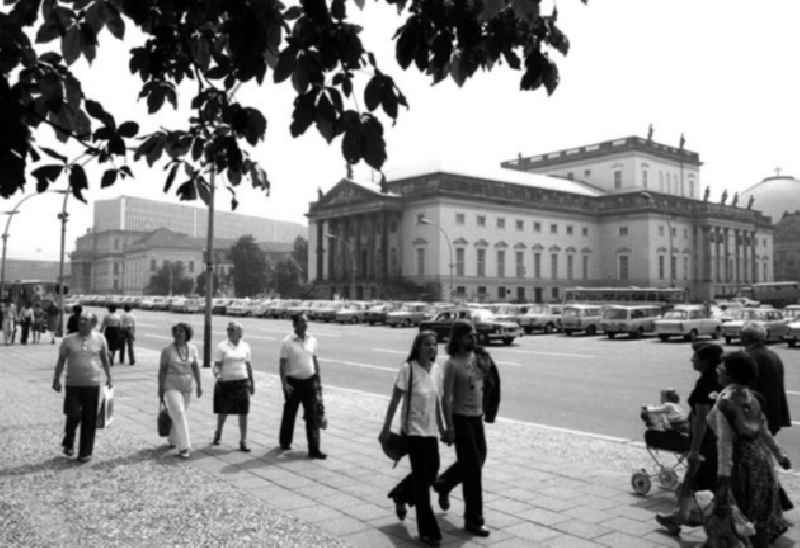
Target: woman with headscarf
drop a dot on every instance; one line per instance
(417, 384)
(233, 372)
(179, 366)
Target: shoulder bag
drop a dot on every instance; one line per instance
(164, 421)
(395, 446)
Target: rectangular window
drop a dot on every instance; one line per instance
(459, 261)
(520, 293)
(420, 261)
(116, 268)
(585, 267)
(554, 293)
(537, 265)
(481, 290)
(554, 266)
(553, 229)
(481, 220)
(617, 180)
(480, 267)
(644, 178)
(520, 263)
(685, 233)
(501, 292)
(501, 222)
(661, 261)
(661, 230)
(569, 229)
(672, 269)
(520, 225)
(674, 231)
(587, 173)
(766, 273)
(461, 291)
(459, 218)
(585, 231)
(623, 231)
(501, 263)
(537, 227)
(623, 268)
(686, 268)
(570, 260)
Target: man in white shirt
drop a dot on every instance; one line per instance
(299, 372)
(127, 333)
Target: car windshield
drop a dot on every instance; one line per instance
(676, 315)
(616, 314)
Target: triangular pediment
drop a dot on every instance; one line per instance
(347, 192)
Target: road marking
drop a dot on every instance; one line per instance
(543, 353)
(389, 351)
(359, 364)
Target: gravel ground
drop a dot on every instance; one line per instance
(128, 495)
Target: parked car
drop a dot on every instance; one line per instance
(545, 318)
(379, 312)
(239, 307)
(510, 312)
(635, 320)
(354, 312)
(177, 304)
(770, 319)
(688, 321)
(195, 305)
(280, 308)
(409, 314)
(159, 303)
(581, 317)
(327, 311)
(220, 305)
(792, 314)
(487, 327)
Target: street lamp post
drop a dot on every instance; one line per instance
(352, 250)
(63, 218)
(11, 212)
(426, 221)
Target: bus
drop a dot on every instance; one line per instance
(777, 294)
(666, 297)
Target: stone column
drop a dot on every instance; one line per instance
(753, 253)
(320, 226)
(737, 273)
(385, 246)
(705, 253)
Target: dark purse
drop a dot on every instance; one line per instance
(395, 446)
(164, 421)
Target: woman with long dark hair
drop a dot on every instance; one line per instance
(422, 423)
(471, 390)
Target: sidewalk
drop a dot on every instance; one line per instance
(543, 487)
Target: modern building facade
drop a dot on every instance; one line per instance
(517, 234)
(142, 215)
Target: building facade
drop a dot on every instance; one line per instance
(512, 234)
(787, 247)
(142, 215)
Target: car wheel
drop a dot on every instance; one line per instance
(611, 335)
(591, 330)
(791, 343)
(727, 340)
(548, 328)
(568, 332)
(664, 338)
(716, 334)
(527, 329)
(507, 341)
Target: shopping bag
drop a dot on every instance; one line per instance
(105, 411)
(164, 422)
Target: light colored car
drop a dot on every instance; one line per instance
(581, 317)
(410, 314)
(194, 305)
(688, 321)
(260, 308)
(239, 307)
(159, 302)
(545, 318)
(510, 312)
(792, 314)
(770, 319)
(487, 327)
(354, 312)
(635, 320)
(176, 304)
(220, 305)
(327, 311)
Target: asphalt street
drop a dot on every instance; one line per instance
(592, 384)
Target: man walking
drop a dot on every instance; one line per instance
(72, 321)
(83, 353)
(299, 372)
(127, 332)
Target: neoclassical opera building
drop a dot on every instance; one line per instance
(628, 211)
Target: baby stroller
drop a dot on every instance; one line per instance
(662, 436)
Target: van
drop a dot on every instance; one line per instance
(635, 320)
(581, 317)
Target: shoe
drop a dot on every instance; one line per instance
(319, 455)
(184, 454)
(84, 459)
(400, 510)
(430, 541)
(477, 530)
(671, 523)
(68, 451)
(444, 496)
(243, 447)
(215, 441)
(286, 447)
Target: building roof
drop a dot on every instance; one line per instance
(166, 238)
(502, 175)
(605, 148)
(774, 195)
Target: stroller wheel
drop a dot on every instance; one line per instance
(640, 482)
(668, 479)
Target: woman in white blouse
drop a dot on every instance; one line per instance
(233, 371)
(179, 364)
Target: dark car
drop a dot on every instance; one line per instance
(487, 327)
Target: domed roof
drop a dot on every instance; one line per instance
(774, 195)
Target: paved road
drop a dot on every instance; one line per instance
(584, 383)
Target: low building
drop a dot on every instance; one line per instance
(511, 233)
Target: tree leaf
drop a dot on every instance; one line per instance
(373, 92)
(71, 44)
(287, 61)
(171, 177)
(78, 182)
(114, 22)
(256, 126)
(128, 129)
(53, 154)
(108, 179)
(338, 9)
(45, 175)
(155, 100)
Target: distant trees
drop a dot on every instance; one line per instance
(170, 280)
(200, 283)
(249, 267)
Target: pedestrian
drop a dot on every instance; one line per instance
(179, 364)
(127, 333)
(38, 322)
(111, 329)
(26, 322)
(701, 474)
(233, 371)
(72, 321)
(418, 384)
(7, 322)
(84, 353)
(471, 389)
(13, 321)
(53, 320)
(745, 450)
(299, 373)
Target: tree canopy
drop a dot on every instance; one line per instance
(249, 267)
(170, 279)
(220, 45)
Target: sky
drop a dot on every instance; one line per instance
(722, 73)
